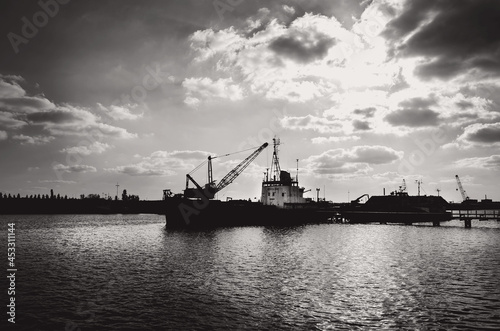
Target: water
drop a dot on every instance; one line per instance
(126, 272)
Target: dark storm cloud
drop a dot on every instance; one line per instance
(413, 118)
(460, 36)
(303, 46)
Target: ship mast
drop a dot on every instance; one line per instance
(275, 165)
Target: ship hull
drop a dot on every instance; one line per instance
(189, 213)
(395, 217)
(398, 208)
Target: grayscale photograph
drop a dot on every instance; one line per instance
(250, 164)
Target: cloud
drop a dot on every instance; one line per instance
(3, 135)
(360, 125)
(480, 135)
(70, 120)
(20, 111)
(311, 122)
(413, 118)
(140, 170)
(490, 162)
(366, 112)
(205, 88)
(10, 89)
(333, 139)
(25, 104)
(55, 116)
(33, 140)
(183, 155)
(293, 62)
(163, 163)
(356, 160)
(450, 37)
(302, 46)
(79, 168)
(119, 112)
(57, 181)
(9, 121)
(94, 148)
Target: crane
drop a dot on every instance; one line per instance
(211, 188)
(461, 189)
(402, 188)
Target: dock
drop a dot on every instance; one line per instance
(480, 211)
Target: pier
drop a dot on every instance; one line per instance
(475, 211)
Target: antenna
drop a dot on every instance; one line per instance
(117, 186)
(438, 190)
(275, 165)
(297, 178)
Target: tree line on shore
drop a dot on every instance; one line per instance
(52, 196)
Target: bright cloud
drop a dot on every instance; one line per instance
(120, 112)
(357, 160)
(33, 140)
(163, 163)
(87, 149)
(490, 162)
(79, 168)
(206, 89)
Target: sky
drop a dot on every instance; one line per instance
(364, 94)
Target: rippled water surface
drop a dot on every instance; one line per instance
(126, 272)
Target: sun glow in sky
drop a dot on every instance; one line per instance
(363, 93)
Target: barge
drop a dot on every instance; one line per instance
(398, 207)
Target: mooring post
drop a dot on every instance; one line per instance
(436, 223)
(468, 223)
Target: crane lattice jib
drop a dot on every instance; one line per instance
(461, 189)
(228, 179)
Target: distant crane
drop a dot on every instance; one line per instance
(419, 182)
(211, 188)
(461, 189)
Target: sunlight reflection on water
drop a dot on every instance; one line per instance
(128, 272)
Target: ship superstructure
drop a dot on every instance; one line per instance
(278, 187)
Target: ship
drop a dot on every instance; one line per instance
(282, 201)
(397, 207)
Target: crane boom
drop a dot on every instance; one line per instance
(228, 179)
(210, 189)
(461, 189)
